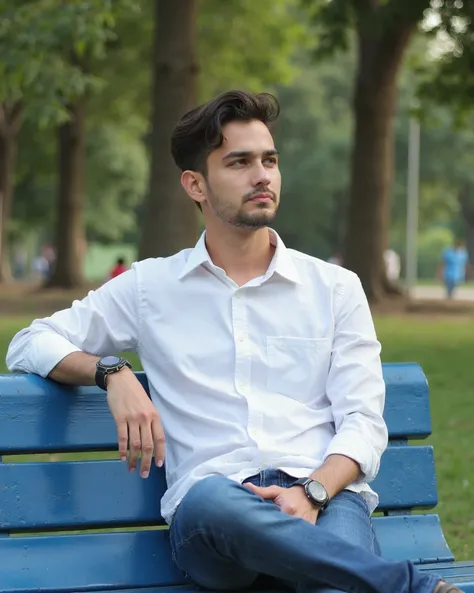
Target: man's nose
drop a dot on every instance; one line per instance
(261, 176)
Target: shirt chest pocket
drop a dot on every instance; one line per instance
(298, 367)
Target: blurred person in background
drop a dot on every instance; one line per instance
(118, 268)
(392, 264)
(453, 267)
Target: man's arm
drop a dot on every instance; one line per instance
(336, 473)
(77, 368)
(66, 346)
(104, 322)
(356, 390)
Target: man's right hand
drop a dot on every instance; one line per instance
(138, 422)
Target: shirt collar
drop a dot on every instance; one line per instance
(281, 264)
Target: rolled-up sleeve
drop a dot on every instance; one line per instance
(355, 386)
(105, 322)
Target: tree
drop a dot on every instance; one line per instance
(383, 31)
(88, 33)
(34, 83)
(313, 138)
(170, 220)
(248, 56)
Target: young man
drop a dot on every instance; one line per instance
(264, 372)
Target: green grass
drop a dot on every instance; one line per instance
(444, 349)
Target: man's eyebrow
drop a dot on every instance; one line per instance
(248, 153)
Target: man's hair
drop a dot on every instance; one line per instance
(199, 131)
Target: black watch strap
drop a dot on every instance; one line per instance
(106, 366)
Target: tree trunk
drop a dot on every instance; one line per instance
(170, 219)
(70, 240)
(380, 58)
(10, 122)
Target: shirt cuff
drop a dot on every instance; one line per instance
(46, 350)
(351, 445)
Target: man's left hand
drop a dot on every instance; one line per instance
(292, 501)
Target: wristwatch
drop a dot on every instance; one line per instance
(106, 366)
(315, 491)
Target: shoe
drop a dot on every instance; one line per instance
(447, 588)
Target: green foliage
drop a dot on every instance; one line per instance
(116, 180)
(45, 48)
(313, 137)
(249, 44)
(120, 60)
(116, 175)
(447, 77)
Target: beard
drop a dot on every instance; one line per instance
(262, 216)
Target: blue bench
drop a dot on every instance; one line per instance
(115, 539)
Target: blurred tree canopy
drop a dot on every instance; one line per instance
(345, 71)
(383, 31)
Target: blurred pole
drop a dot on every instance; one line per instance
(412, 204)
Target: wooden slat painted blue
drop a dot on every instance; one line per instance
(407, 478)
(103, 493)
(407, 405)
(412, 537)
(91, 562)
(87, 562)
(458, 573)
(37, 415)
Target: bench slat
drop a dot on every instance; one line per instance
(87, 562)
(37, 415)
(91, 562)
(85, 494)
(412, 537)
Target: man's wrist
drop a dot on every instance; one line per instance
(110, 378)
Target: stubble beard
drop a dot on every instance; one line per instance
(240, 218)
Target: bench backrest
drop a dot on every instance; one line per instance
(84, 493)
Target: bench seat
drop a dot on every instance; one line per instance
(85, 524)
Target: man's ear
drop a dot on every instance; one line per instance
(193, 183)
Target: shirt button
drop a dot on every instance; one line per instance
(252, 432)
(242, 339)
(238, 295)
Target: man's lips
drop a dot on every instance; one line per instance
(262, 197)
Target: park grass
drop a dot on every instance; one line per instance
(444, 349)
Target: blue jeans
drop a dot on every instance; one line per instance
(224, 537)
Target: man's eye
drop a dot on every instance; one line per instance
(272, 160)
(238, 162)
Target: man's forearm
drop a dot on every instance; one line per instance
(337, 472)
(78, 368)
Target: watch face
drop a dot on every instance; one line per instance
(110, 361)
(317, 492)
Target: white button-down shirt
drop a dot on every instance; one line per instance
(278, 373)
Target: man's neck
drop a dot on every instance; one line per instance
(243, 255)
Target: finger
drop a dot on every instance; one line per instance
(135, 444)
(159, 441)
(147, 449)
(267, 492)
(122, 433)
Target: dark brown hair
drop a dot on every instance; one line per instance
(199, 131)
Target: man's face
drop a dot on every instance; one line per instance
(243, 180)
